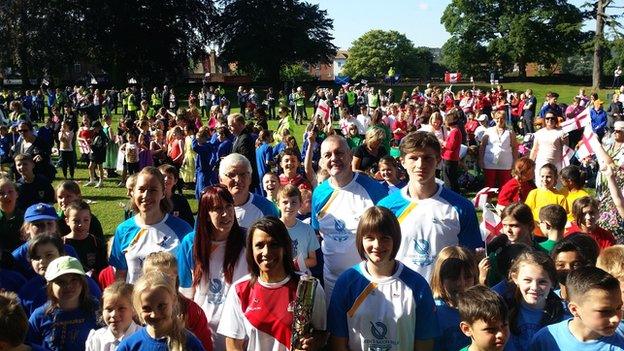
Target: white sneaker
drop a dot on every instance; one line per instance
(89, 183)
(99, 184)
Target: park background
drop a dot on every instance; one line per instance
(545, 45)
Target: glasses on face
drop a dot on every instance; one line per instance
(550, 118)
(233, 175)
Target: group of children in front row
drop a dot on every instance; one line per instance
(537, 301)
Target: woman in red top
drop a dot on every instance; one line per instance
(176, 147)
(585, 212)
(450, 151)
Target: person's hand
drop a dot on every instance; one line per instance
(484, 269)
(308, 343)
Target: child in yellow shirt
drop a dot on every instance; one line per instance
(546, 193)
(572, 179)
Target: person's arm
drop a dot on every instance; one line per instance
(534, 149)
(423, 345)
(311, 260)
(616, 193)
(484, 141)
(234, 344)
(307, 161)
(514, 147)
(338, 343)
(355, 164)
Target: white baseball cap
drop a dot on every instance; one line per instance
(63, 265)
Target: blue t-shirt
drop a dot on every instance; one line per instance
(451, 338)
(11, 280)
(23, 263)
(141, 340)
(61, 330)
(33, 293)
(558, 337)
(528, 324)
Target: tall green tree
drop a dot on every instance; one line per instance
(514, 32)
(375, 52)
(599, 12)
(148, 40)
(264, 35)
(41, 36)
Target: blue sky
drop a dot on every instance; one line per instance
(419, 20)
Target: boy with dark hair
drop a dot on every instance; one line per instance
(484, 319)
(552, 222)
(432, 216)
(596, 304)
(32, 188)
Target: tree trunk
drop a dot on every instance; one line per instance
(598, 44)
(522, 68)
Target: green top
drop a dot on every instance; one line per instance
(355, 141)
(465, 348)
(299, 99)
(546, 246)
(350, 98)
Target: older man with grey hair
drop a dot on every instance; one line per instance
(235, 173)
(337, 205)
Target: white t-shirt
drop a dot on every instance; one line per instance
(133, 242)
(256, 207)
(364, 123)
(335, 214)
(104, 340)
(382, 314)
(260, 313)
(303, 241)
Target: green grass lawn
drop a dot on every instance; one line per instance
(107, 202)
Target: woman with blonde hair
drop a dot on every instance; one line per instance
(367, 156)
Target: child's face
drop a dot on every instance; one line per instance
(44, 254)
(548, 179)
(157, 309)
(568, 260)
(545, 226)
(590, 217)
(527, 175)
(378, 247)
(117, 313)
(289, 163)
(79, 222)
(487, 336)
(24, 167)
(67, 288)
(600, 311)
(388, 172)
(456, 286)
(289, 206)
(147, 193)
(40, 227)
(64, 198)
(170, 181)
(8, 196)
(306, 201)
(515, 231)
(534, 284)
(270, 182)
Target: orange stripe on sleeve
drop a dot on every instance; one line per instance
(361, 298)
(407, 210)
(325, 208)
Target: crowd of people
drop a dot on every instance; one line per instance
(373, 205)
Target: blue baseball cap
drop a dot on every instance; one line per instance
(40, 212)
